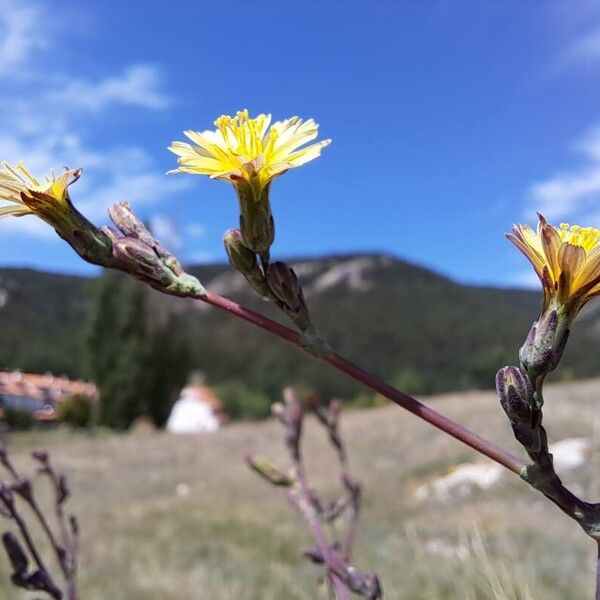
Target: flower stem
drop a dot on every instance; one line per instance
(407, 402)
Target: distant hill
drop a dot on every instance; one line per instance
(419, 329)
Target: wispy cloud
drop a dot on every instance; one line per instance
(584, 50)
(573, 193)
(138, 85)
(19, 33)
(39, 127)
(165, 229)
(526, 279)
(195, 229)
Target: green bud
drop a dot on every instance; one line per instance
(269, 471)
(240, 256)
(244, 260)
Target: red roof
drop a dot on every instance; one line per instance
(203, 394)
(43, 387)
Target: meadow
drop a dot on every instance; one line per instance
(168, 517)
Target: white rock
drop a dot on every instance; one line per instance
(351, 272)
(439, 547)
(569, 453)
(462, 481)
(182, 490)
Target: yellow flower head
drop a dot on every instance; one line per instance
(248, 149)
(565, 258)
(27, 195)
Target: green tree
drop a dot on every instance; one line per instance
(119, 350)
(138, 369)
(77, 411)
(241, 402)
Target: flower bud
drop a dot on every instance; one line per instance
(41, 456)
(23, 488)
(143, 259)
(517, 398)
(124, 218)
(285, 285)
(256, 220)
(515, 392)
(244, 260)
(544, 345)
(15, 552)
(240, 256)
(314, 555)
(62, 489)
(269, 471)
(7, 498)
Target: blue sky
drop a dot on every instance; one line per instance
(450, 120)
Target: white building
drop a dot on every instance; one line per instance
(198, 410)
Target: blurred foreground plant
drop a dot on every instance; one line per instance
(22, 547)
(250, 155)
(333, 553)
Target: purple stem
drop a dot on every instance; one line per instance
(332, 559)
(407, 402)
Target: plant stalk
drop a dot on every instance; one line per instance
(466, 436)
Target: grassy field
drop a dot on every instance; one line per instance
(234, 537)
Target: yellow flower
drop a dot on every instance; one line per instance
(27, 195)
(565, 258)
(247, 149)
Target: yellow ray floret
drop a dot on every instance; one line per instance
(565, 258)
(247, 148)
(24, 192)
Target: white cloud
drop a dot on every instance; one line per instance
(576, 192)
(166, 232)
(584, 50)
(109, 176)
(195, 229)
(526, 279)
(20, 34)
(138, 85)
(38, 124)
(200, 258)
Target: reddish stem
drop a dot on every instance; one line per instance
(331, 557)
(466, 436)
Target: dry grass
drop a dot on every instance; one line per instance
(233, 537)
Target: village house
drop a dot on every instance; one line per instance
(198, 410)
(40, 394)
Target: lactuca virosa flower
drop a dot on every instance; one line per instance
(27, 195)
(250, 153)
(566, 259)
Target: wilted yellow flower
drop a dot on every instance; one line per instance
(248, 149)
(565, 258)
(27, 195)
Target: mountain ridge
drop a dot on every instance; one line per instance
(418, 328)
